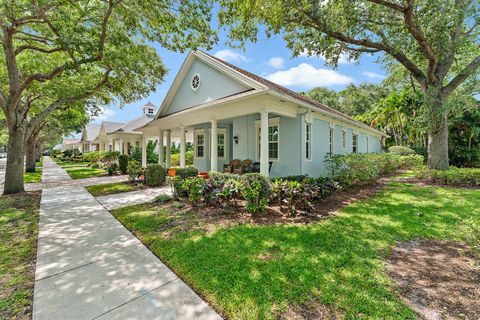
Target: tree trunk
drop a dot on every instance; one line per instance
(31, 155)
(438, 130)
(15, 160)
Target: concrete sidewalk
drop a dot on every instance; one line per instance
(118, 200)
(90, 267)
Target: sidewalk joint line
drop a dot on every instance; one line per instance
(77, 267)
(131, 300)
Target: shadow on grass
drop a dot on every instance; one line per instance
(254, 272)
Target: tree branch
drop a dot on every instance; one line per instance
(461, 76)
(58, 103)
(34, 48)
(399, 56)
(419, 36)
(390, 5)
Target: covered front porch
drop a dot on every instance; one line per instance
(225, 132)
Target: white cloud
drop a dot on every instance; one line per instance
(373, 75)
(276, 62)
(307, 76)
(104, 114)
(230, 56)
(343, 59)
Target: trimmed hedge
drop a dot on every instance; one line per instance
(363, 168)
(401, 150)
(123, 163)
(154, 174)
(460, 177)
(186, 172)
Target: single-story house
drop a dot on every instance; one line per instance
(89, 139)
(228, 109)
(116, 136)
(69, 144)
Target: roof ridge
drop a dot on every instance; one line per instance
(278, 88)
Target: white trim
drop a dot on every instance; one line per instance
(271, 122)
(199, 81)
(308, 157)
(331, 141)
(344, 138)
(195, 133)
(356, 142)
(225, 143)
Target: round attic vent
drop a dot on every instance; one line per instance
(195, 83)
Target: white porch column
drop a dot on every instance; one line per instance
(121, 147)
(182, 147)
(144, 151)
(213, 144)
(264, 142)
(168, 158)
(160, 146)
(89, 147)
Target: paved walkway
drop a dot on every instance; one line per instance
(114, 201)
(90, 267)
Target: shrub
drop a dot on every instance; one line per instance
(175, 158)
(134, 170)
(163, 198)
(154, 174)
(401, 150)
(186, 172)
(357, 168)
(68, 153)
(463, 177)
(256, 190)
(412, 161)
(218, 179)
(93, 156)
(194, 187)
(109, 156)
(176, 184)
(123, 163)
(298, 178)
(230, 190)
(95, 165)
(302, 194)
(112, 169)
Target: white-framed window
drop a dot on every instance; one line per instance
(308, 141)
(221, 143)
(344, 138)
(110, 147)
(195, 82)
(199, 143)
(355, 143)
(330, 140)
(273, 138)
(150, 111)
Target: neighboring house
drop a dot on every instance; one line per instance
(117, 136)
(89, 139)
(69, 144)
(228, 109)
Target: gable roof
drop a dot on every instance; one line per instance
(111, 126)
(253, 81)
(91, 131)
(285, 91)
(136, 123)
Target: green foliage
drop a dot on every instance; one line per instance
(101, 156)
(155, 174)
(93, 156)
(123, 163)
(134, 170)
(163, 198)
(186, 172)
(152, 156)
(18, 244)
(175, 158)
(176, 184)
(462, 177)
(256, 190)
(301, 192)
(401, 150)
(112, 168)
(336, 263)
(363, 168)
(109, 188)
(193, 186)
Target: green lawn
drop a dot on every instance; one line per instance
(111, 188)
(63, 163)
(18, 239)
(84, 172)
(256, 272)
(33, 177)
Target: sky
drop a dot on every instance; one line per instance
(269, 58)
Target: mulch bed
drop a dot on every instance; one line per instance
(438, 279)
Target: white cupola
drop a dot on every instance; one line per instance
(149, 109)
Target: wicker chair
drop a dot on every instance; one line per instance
(244, 165)
(228, 168)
